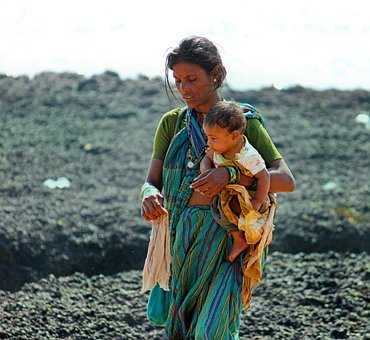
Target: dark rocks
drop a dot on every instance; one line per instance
(98, 133)
(111, 307)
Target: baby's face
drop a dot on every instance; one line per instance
(219, 140)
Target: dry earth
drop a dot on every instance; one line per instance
(69, 258)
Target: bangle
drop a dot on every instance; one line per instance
(148, 190)
(237, 171)
(234, 174)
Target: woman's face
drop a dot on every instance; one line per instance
(195, 86)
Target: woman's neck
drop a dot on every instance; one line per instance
(203, 109)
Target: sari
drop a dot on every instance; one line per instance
(204, 301)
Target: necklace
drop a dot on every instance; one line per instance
(197, 146)
(190, 163)
(193, 160)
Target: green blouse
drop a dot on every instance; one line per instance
(255, 132)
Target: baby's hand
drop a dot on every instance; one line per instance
(256, 204)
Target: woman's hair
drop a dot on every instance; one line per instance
(227, 115)
(199, 51)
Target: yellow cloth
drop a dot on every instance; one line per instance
(158, 259)
(257, 229)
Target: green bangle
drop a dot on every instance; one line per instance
(234, 174)
(148, 190)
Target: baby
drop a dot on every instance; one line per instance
(224, 126)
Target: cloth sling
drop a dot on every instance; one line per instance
(257, 228)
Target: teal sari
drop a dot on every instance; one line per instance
(204, 301)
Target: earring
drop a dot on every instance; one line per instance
(214, 80)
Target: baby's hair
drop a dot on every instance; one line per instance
(227, 115)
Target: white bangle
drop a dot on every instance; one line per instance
(148, 190)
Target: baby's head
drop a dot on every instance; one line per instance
(224, 126)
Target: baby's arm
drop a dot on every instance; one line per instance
(263, 187)
(207, 162)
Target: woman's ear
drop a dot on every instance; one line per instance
(214, 79)
(218, 75)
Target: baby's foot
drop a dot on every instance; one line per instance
(239, 245)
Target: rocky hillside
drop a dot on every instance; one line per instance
(93, 137)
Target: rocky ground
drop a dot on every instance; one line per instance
(316, 296)
(97, 132)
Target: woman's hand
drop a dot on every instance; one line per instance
(211, 182)
(152, 207)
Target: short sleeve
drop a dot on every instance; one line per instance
(261, 141)
(250, 159)
(164, 134)
(256, 164)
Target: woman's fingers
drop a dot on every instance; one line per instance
(145, 214)
(158, 205)
(160, 210)
(149, 210)
(210, 183)
(200, 180)
(152, 208)
(208, 189)
(202, 187)
(210, 192)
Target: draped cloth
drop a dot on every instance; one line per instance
(205, 288)
(257, 228)
(177, 176)
(158, 260)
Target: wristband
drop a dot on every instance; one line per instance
(148, 190)
(234, 174)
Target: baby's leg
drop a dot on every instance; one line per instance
(239, 244)
(235, 206)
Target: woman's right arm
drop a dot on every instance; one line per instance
(152, 205)
(152, 199)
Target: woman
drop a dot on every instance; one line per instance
(205, 288)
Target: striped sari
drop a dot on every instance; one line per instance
(205, 289)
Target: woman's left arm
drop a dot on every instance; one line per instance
(281, 178)
(211, 182)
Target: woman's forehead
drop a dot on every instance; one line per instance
(183, 69)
